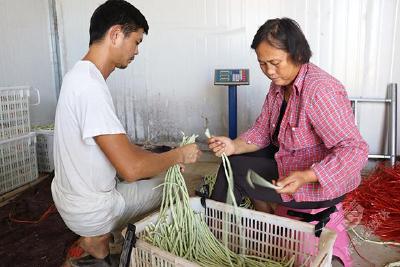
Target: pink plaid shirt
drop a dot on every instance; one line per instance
(317, 131)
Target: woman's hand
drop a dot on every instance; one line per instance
(220, 145)
(295, 180)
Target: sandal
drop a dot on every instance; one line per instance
(78, 257)
(111, 260)
(75, 251)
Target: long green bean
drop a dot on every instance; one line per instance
(210, 180)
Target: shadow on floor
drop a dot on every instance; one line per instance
(33, 245)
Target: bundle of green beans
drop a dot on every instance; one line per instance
(183, 232)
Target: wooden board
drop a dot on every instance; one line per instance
(7, 197)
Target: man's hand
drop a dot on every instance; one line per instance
(220, 145)
(296, 180)
(189, 153)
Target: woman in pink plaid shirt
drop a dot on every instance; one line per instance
(305, 139)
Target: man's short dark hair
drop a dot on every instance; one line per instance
(116, 12)
(284, 34)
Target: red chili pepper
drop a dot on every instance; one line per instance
(379, 195)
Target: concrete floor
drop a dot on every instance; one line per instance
(374, 255)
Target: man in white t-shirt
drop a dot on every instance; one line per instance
(91, 145)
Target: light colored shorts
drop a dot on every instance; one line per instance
(141, 197)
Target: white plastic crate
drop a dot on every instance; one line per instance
(44, 149)
(14, 111)
(17, 162)
(265, 235)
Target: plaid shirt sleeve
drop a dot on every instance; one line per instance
(333, 120)
(258, 134)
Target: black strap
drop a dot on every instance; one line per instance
(278, 123)
(203, 192)
(129, 242)
(322, 217)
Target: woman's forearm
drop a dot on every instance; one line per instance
(242, 147)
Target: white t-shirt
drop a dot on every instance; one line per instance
(83, 188)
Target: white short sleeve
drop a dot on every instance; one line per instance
(97, 115)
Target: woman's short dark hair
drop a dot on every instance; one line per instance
(116, 12)
(284, 34)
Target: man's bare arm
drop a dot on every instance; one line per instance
(134, 163)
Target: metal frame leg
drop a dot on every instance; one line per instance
(393, 123)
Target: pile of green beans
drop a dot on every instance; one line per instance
(44, 127)
(183, 232)
(210, 180)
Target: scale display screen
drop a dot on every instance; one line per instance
(231, 77)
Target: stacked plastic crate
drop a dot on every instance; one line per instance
(44, 147)
(18, 164)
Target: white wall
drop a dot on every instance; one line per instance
(25, 52)
(170, 87)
